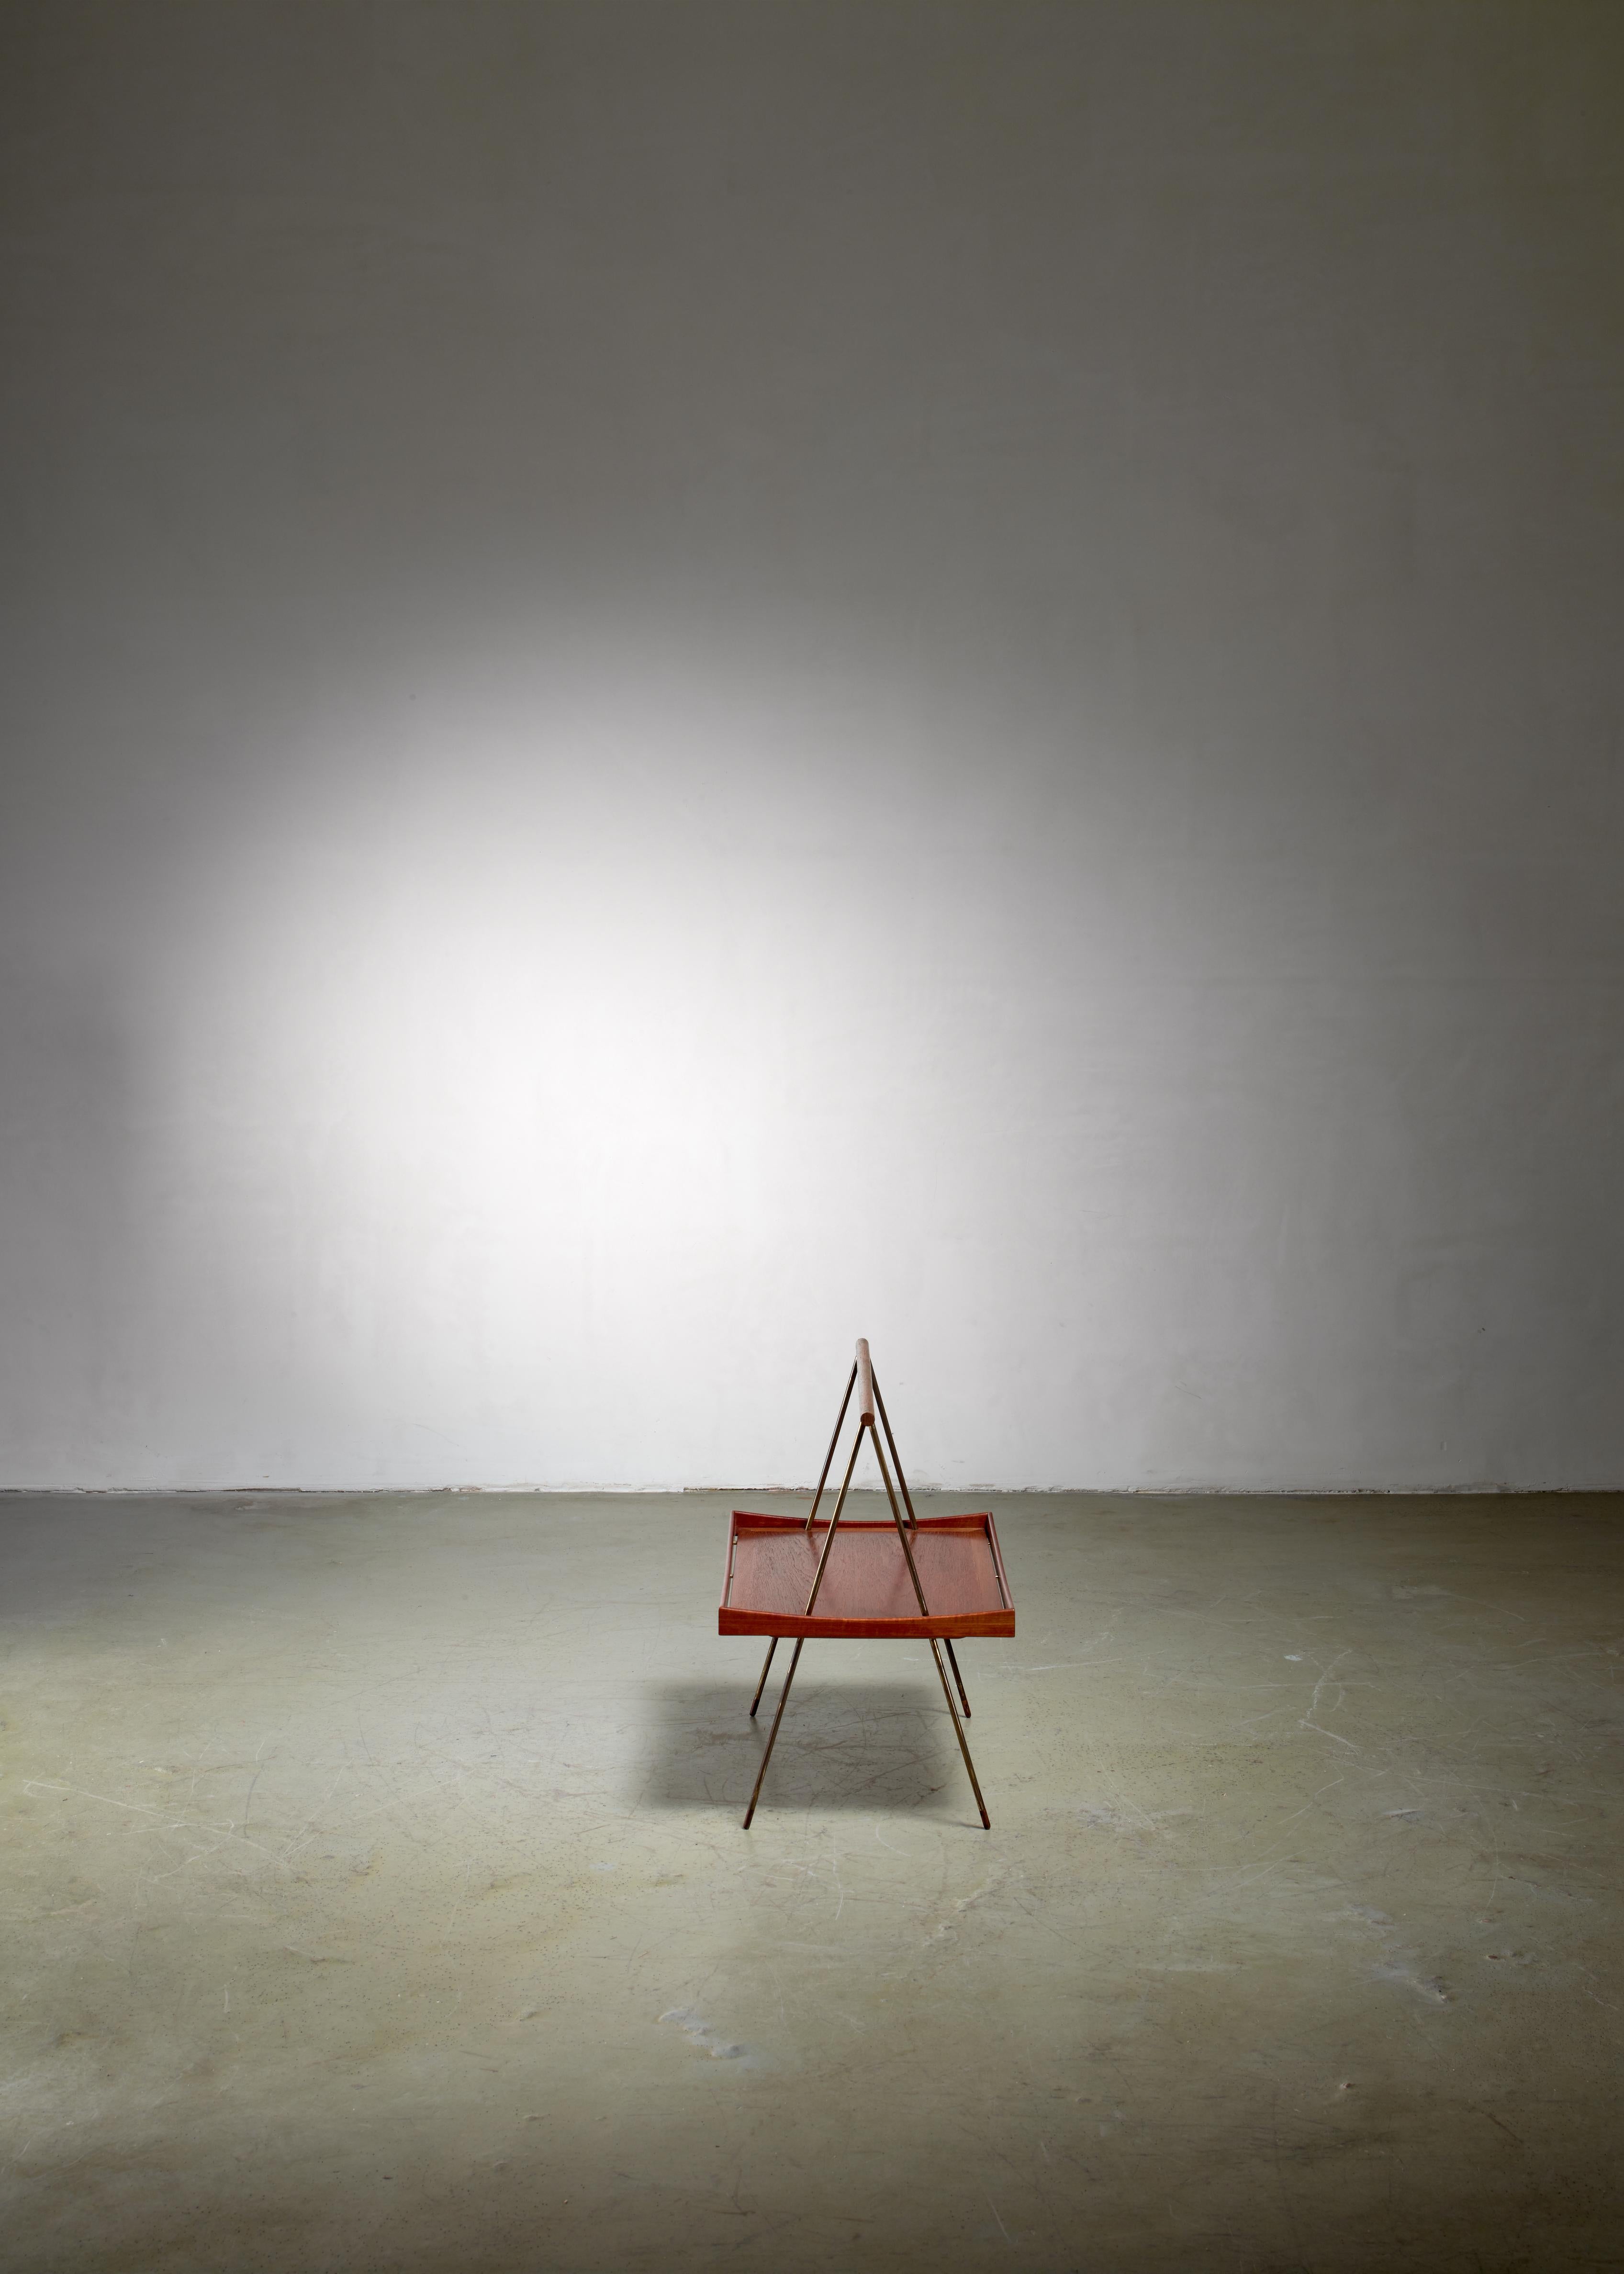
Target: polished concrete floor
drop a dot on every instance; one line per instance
(374, 1897)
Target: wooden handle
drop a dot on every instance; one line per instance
(865, 1386)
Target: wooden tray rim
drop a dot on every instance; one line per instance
(998, 1623)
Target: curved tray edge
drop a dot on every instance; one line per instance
(997, 1624)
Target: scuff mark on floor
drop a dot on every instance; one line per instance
(700, 2033)
(1429, 1987)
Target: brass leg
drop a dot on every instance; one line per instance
(761, 1684)
(958, 1733)
(834, 1522)
(935, 1649)
(879, 1453)
(772, 1736)
(828, 1456)
(952, 1661)
(907, 1498)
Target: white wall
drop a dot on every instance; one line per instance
(681, 681)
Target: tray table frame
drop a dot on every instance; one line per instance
(972, 1613)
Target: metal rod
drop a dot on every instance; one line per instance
(907, 1498)
(834, 1521)
(907, 1501)
(958, 1732)
(902, 1530)
(761, 1684)
(772, 1737)
(935, 1653)
(839, 1418)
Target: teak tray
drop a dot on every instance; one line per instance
(773, 1562)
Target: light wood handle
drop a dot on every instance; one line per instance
(865, 1386)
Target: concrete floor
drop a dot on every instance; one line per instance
(374, 1897)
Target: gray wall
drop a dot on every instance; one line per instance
(684, 680)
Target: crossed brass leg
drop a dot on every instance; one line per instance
(964, 1743)
(773, 1735)
(761, 1684)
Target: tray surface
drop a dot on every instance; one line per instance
(772, 1560)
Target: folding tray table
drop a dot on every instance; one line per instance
(906, 1579)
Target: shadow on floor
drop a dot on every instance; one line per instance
(843, 1745)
